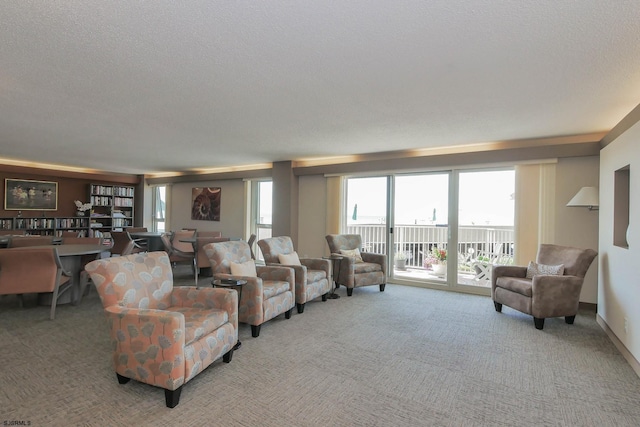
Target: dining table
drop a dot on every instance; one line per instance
(71, 259)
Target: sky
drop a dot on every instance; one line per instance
(486, 198)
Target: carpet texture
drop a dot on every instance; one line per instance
(404, 357)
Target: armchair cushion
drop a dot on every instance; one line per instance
(534, 269)
(289, 259)
(353, 253)
(245, 269)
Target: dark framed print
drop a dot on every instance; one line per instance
(27, 195)
(205, 203)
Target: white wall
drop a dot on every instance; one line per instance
(232, 210)
(618, 281)
(578, 226)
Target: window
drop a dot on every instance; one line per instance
(261, 212)
(159, 200)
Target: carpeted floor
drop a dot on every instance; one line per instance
(405, 357)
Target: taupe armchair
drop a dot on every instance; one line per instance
(352, 272)
(312, 274)
(543, 295)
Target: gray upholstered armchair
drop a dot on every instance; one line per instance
(370, 269)
(543, 295)
(312, 274)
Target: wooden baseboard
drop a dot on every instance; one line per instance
(635, 365)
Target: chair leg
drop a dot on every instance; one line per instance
(569, 319)
(498, 306)
(382, 287)
(300, 308)
(20, 301)
(324, 297)
(172, 397)
(349, 292)
(255, 330)
(121, 379)
(538, 322)
(287, 314)
(226, 358)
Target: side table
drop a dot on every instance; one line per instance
(231, 284)
(335, 267)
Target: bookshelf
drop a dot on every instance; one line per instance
(46, 226)
(112, 207)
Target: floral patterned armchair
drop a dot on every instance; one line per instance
(269, 290)
(312, 274)
(370, 269)
(162, 335)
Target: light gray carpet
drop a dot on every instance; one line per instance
(405, 357)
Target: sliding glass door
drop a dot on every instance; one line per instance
(366, 211)
(442, 228)
(485, 224)
(420, 227)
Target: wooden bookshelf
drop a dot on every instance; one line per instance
(112, 207)
(47, 226)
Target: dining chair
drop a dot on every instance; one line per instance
(24, 241)
(27, 270)
(181, 252)
(124, 244)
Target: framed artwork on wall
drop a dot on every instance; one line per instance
(205, 203)
(27, 195)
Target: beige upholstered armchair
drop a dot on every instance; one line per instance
(354, 271)
(533, 290)
(269, 290)
(160, 334)
(312, 274)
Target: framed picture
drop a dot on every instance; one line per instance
(26, 195)
(205, 203)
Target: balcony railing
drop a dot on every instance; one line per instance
(417, 241)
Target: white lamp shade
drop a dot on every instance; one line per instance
(587, 196)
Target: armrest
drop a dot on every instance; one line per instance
(376, 259)
(317, 264)
(553, 296)
(509, 271)
(269, 272)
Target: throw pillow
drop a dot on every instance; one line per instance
(535, 269)
(352, 253)
(289, 259)
(243, 269)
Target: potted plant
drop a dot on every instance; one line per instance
(401, 260)
(440, 265)
(82, 207)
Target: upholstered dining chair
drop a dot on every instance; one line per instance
(550, 287)
(180, 251)
(162, 335)
(269, 290)
(28, 270)
(312, 274)
(356, 268)
(24, 241)
(124, 244)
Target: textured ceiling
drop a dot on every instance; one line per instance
(141, 87)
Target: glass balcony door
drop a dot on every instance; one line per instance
(485, 224)
(420, 227)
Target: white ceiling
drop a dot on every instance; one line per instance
(140, 87)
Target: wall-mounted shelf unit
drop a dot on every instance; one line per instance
(112, 207)
(48, 226)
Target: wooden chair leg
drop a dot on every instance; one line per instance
(570, 319)
(255, 330)
(287, 314)
(349, 292)
(498, 306)
(300, 308)
(538, 322)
